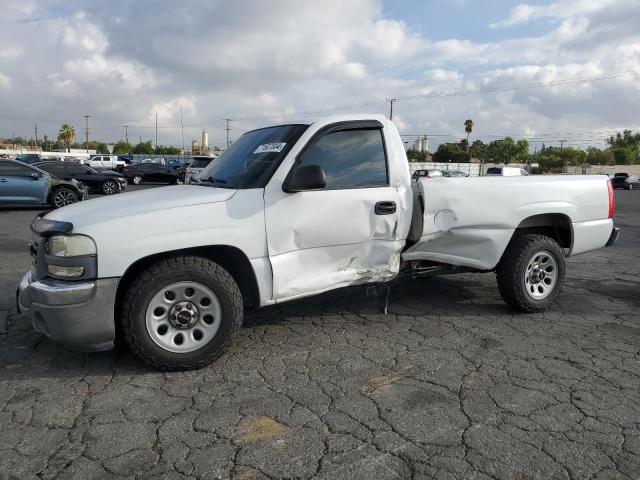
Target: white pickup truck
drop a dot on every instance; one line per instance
(287, 212)
(105, 162)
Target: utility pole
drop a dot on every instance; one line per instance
(156, 130)
(36, 135)
(227, 129)
(562, 143)
(391, 102)
(126, 133)
(86, 130)
(182, 130)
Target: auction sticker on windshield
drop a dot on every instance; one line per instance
(270, 147)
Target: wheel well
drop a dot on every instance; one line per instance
(232, 259)
(554, 225)
(55, 188)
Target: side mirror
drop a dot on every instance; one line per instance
(306, 177)
(35, 176)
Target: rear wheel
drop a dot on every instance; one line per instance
(531, 272)
(109, 187)
(136, 179)
(63, 196)
(181, 313)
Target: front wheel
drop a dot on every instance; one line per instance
(136, 179)
(531, 272)
(181, 313)
(63, 196)
(109, 187)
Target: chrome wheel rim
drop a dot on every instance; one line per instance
(541, 275)
(64, 197)
(183, 317)
(109, 188)
(137, 180)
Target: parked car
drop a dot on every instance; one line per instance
(418, 174)
(626, 181)
(458, 173)
(105, 162)
(27, 158)
(506, 172)
(196, 166)
(137, 173)
(106, 182)
(22, 184)
(288, 212)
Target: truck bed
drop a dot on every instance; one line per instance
(469, 221)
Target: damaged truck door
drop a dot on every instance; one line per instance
(333, 217)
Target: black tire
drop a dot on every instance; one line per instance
(156, 277)
(63, 196)
(136, 179)
(512, 269)
(109, 187)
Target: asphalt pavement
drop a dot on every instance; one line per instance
(449, 384)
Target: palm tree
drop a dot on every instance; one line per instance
(67, 134)
(468, 128)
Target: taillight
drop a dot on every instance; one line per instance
(612, 200)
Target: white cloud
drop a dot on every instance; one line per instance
(124, 63)
(524, 12)
(5, 81)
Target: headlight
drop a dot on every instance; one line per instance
(71, 246)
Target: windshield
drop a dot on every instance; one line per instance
(251, 160)
(200, 162)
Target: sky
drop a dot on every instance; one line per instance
(260, 63)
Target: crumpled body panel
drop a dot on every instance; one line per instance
(319, 240)
(470, 221)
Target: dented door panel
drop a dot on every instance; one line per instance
(326, 239)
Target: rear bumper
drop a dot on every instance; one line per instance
(614, 236)
(74, 313)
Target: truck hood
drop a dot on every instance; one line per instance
(128, 204)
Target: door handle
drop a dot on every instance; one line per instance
(385, 208)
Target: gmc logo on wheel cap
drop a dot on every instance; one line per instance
(184, 317)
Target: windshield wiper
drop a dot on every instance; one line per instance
(217, 182)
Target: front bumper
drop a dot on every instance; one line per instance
(75, 313)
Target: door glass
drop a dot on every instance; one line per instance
(13, 170)
(350, 159)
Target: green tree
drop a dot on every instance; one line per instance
(450, 152)
(468, 128)
(102, 148)
(122, 148)
(550, 163)
(167, 150)
(596, 156)
(623, 156)
(628, 140)
(501, 151)
(478, 149)
(144, 148)
(416, 156)
(67, 135)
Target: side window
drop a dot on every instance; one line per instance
(350, 159)
(13, 170)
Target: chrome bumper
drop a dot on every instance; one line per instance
(75, 313)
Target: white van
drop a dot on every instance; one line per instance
(506, 171)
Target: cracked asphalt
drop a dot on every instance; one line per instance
(450, 384)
